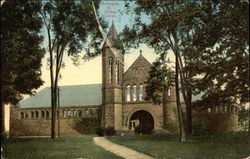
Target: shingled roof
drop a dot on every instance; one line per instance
(75, 95)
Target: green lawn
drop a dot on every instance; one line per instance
(61, 148)
(220, 146)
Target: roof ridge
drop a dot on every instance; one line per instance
(81, 85)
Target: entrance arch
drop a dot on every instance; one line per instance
(141, 118)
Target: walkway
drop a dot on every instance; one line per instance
(119, 150)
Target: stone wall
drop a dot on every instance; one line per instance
(220, 119)
(70, 121)
(109, 115)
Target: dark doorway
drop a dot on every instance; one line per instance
(141, 119)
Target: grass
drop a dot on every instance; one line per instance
(219, 146)
(60, 148)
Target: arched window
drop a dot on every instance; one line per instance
(32, 114)
(69, 113)
(134, 93)
(79, 113)
(128, 93)
(36, 113)
(83, 112)
(22, 115)
(43, 114)
(117, 72)
(87, 112)
(169, 92)
(75, 113)
(47, 114)
(110, 69)
(26, 115)
(141, 92)
(90, 112)
(209, 110)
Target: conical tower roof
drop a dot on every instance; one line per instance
(112, 34)
(112, 39)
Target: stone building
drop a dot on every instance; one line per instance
(118, 102)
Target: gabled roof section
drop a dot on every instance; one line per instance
(141, 61)
(76, 95)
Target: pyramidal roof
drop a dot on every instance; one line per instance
(112, 34)
(112, 39)
(75, 95)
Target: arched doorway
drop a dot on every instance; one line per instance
(141, 118)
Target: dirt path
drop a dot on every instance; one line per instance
(119, 150)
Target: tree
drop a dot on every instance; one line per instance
(169, 28)
(21, 51)
(224, 65)
(70, 26)
(159, 81)
(192, 30)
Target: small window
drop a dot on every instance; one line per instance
(117, 72)
(90, 112)
(169, 92)
(32, 114)
(26, 115)
(79, 113)
(134, 93)
(47, 114)
(110, 69)
(128, 93)
(75, 113)
(209, 110)
(36, 114)
(82, 113)
(43, 114)
(87, 112)
(141, 92)
(22, 115)
(69, 113)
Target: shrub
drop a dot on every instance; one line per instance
(100, 131)
(86, 125)
(243, 119)
(201, 125)
(4, 135)
(109, 131)
(172, 127)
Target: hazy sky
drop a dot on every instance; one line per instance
(90, 72)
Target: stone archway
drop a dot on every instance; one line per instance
(141, 118)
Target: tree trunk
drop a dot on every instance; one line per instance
(53, 114)
(164, 104)
(188, 113)
(181, 124)
(58, 112)
(249, 122)
(2, 119)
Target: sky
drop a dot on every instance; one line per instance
(90, 72)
